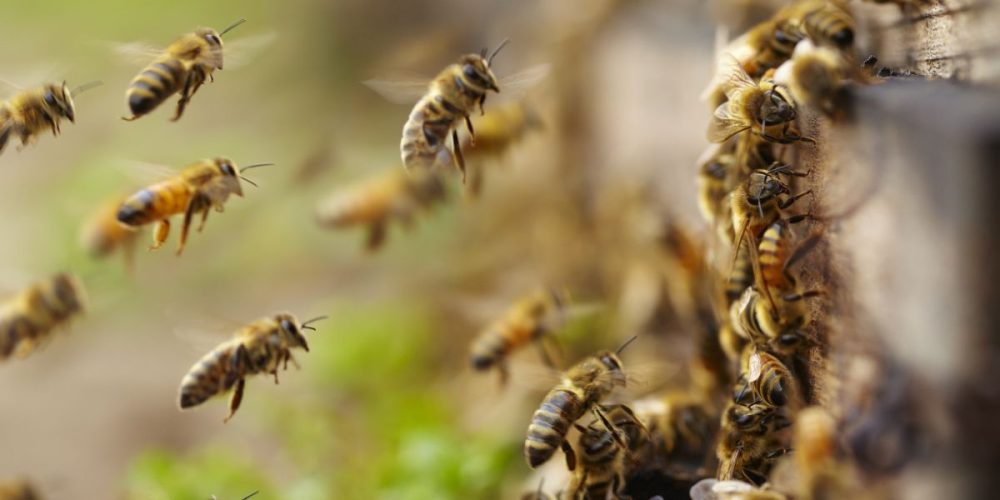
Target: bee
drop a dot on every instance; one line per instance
(776, 324)
(602, 462)
(747, 443)
(582, 389)
(103, 233)
(199, 187)
(767, 380)
(814, 75)
(713, 489)
(825, 22)
(32, 316)
(776, 254)
(681, 426)
(817, 472)
(713, 181)
(377, 202)
(19, 489)
(761, 108)
(183, 67)
(496, 133)
(260, 347)
(532, 318)
(30, 112)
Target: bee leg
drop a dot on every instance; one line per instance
(128, 254)
(612, 429)
(570, 455)
(204, 218)
(472, 133)
(376, 236)
(795, 297)
(160, 233)
(482, 101)
(192, 207)
(458, 153)
(275, 373)
(801, 250)
(789, 202)
(191, 85)
(235, 399)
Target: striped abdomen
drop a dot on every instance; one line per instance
(16, 329)
(772, 254)
(215, 373)
(742, 274)
(425, 133)
(154, 203)
(550, 423)
(779, 45)
(158, 81)
(497, 342)
(829, 23)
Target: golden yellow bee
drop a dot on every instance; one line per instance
(814, 75)
(104, 234)
(199, 187)
(762, 108)
(183, 67)
(389, 197)
(767, 380)
(30, 112)
(825, 22)
(533, 318)
(30, 318)
(582, 389)
(776, 324)
(19, 489)
(602, 464)
(260, 347)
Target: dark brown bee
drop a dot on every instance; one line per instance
(603, 462)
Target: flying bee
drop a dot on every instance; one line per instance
(18, 489)
(30, 112)
(260, 347)
(30, 318)
(748, 443)
(394, 195)
(762, 108)
(582, 389)
(450, 97)
(199, 187)
(182, 67)
(497, 132)
(602, 463)
(769, 381)
(533, 318)
(814, 75)
(103, 233)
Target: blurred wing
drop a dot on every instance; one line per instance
(644, 378)
(244, 50)
(532, 373)
(136, 52)
(517, 83)
(400, 89)
(734, 78)
(144, 173)
(753, 370)
(724, 125)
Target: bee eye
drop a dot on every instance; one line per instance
(214, 39)
(843, 38)
(287, 326)
(50, 99)
(469, 71)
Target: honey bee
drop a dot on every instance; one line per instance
(30, 112)
(19, 489)
(776, 325)
(776, 254)
(770, 382)
(29, 319)
(199, 187)
(183, 67)
(496, 132)
(762, 108)
(681, 428)
(602, 462)
(816, 472)
(260, 347)
(814, 75)
(103, 234)
(748, 444)
(377, 202)
(714, 171)
(825, 22)
(582, 389)
(533, 318)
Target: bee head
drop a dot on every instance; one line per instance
(59, 101)
(291, 331)
(214, 41)
(775, 108)
(763, 187)
(476, 72)
(230, 175)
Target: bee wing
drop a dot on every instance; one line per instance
(532, 375)
(754, 368)
(724, 124)
(136, 52)
(734, 78)
(520, 81)
(401, 88)
(243, 50)
(144, 173)
(646, 377)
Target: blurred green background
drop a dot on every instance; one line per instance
(385, 405)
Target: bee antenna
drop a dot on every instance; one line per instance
(255, 165)
(489, 62)
(85, 87)
(250, 495)
(231, 26)
(627, 342)
(248, 181)
(305, 324)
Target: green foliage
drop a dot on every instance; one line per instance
(156, 475)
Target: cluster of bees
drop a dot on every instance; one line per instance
(742, 424)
